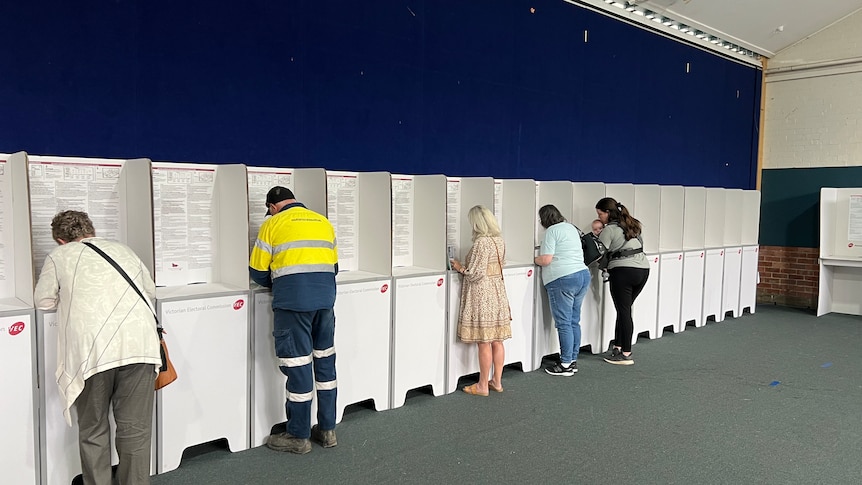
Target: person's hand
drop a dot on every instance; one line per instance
(457, 266)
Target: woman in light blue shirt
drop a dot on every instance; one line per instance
(566, 279)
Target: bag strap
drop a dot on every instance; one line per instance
(129, 280)
(499, 261)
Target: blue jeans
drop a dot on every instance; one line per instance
(305, 346)
(565, 296)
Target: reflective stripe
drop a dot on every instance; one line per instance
(305, 243)
(297, 397)
(294, 361)
(263, 246)
(319, 354)
(303, 268)
(326, 386)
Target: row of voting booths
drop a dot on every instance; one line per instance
(397, 304)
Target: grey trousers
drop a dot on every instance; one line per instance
(130, 389)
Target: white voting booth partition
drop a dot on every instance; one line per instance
(733, 222)
(713, 269)
(200, 217)
(116, 196)
(19, 454)
(419, 279)
(750, 250)
(516, 218)
(670, 259)
(840, 251)
(545, 338)
(462, 194)
(585, 197)
(359, 206)
(624, 194)
(267, 382)
(645, 309)
(694, 257)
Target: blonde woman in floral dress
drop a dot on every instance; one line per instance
(485, 318)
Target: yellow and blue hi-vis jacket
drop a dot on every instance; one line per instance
(296, 255)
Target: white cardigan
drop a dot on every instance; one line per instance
(103, 323)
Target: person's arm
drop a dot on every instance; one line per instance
(47, 293)
(149, 284)
(546, 251)
(478, 268)
(259, 261)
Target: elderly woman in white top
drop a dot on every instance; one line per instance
(108, 348)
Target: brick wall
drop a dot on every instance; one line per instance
(788, 276)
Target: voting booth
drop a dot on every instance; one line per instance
(116, 196)
(19, 451)
(713, 270)
(647, 209)
(670, 259)
(200, 220)
(585, 197)
(733, 223)
(840, 251)
(267, 382)
(749, 277)
(359, 206)
(624, 194)
(694, 257)
(462, 194)
(419, 278)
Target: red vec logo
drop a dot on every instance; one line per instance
(850, 245)
(238, 304)
(701, 254)
(529, 273)
(680, 257)
(384, 288)
(440, 282)
(16, 328)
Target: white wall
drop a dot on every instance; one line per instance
(813, 112)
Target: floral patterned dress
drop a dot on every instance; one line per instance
(485, 315)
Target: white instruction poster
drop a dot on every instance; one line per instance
(498, 201)
(854, 223)
(182, 213)
(87, 185)
(402, 220)
(342, 207)
(453, 219)
(260, 180)
(6, 249)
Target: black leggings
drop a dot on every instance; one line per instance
(626, 285)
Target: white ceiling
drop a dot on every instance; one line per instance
(763, 26)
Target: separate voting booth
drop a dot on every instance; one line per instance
(624, 194)
(116, 196)
(647, 207)
(840, 251)
(359, 206)
(419, 278)
(670, 259)
(713, 270)
(19, 451)
(733, 225)
(462, 194)
(750, 251)
(200, 215)
(584, 198)
(694, 257)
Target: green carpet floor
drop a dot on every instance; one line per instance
(773, 397)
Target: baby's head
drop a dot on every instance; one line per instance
(597, 227)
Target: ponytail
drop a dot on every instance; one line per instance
(619, 214)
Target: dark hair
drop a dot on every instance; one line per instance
(618, 214)
(550, 215)
(72, 225)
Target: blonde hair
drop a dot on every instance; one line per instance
(483, 221)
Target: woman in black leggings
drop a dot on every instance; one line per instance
(628, 268)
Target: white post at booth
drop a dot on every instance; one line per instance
(694, 256)
(200, 215)
(419, 280)
(670, 259)
(750, 250)
(713, 270)
(19, 453)
(359, 206)
(733, 223)
(462, 195)
(585, 197)
(545, 338)
(116, 196)
(840, 251)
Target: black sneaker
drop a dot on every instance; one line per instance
(620, 359)
(558, 370)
